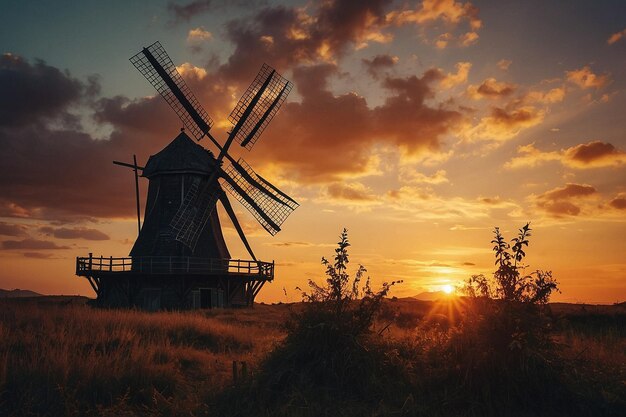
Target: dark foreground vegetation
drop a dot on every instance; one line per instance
(348, 350)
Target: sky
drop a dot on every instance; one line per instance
(417, 125)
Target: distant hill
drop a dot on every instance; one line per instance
(430, 295)
(17, 293)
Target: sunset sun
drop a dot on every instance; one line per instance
(448, 289)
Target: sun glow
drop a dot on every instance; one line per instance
(448, 289)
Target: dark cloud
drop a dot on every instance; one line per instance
(34, 92)
(491, 88)
(594, 151)
(184, 12)
(379, 63)
(74, 233)
(38, 255)
(64, 174)
(570, 190)
(327, 137)
(288, 36)
(33, 244)
(8, 229)
(618, 203)
(563, 201)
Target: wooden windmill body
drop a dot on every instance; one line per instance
(180, 259)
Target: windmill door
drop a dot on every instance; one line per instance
(206, 298)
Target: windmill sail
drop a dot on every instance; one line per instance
(154, 64)
(194, 212)
(269, 206)
(258, 105)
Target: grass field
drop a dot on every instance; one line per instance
(59, 356)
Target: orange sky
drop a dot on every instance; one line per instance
(419, 126)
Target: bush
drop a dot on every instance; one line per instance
(330, 361)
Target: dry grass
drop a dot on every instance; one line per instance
(74, 360)
(60, 357)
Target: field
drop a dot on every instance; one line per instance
(59, 356)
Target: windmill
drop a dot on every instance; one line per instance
(180, 258)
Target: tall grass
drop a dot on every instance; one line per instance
(74, 360)
(418, 358)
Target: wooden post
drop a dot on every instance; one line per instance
(244, 370)
(137, 194)
(111, 264)
(90, 260)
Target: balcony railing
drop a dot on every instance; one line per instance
(172, 265)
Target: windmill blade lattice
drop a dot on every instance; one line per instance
(251, 121)
(194, 212)
(271, 206)
(154, 64)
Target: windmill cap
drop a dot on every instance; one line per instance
(181, 156)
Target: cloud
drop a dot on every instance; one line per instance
(618, 202)
(504, 64)
(31, 244)
(379, 63)
(187, 11)
(50, 170)
(617, 36)
(340, 132)
(38, 255)
(585, 78)
(593, 154)
(553, 95)
(491, 88)
(302, 36)
(8, 229)
(411, 176)
(453, 79)
(564, 201)
(38, 92)
(74, 233)
(354, 192)
(448, 11)
(199, 34)
(503, 124)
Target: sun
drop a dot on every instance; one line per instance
(448, 289)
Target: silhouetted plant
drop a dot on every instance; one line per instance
(352, 305)
(509, 281)
(330, 359)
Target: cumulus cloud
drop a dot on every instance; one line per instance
(491, 88)
(503, 123)
(564, 201)
(448, 11)
(585, 78)
(453, 79)
(32, 93)
(339, 132)
(379, 63)
(74, 233)
(199, 34)
(593, 154)
(616, 37)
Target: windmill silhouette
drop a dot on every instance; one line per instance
(180, 258)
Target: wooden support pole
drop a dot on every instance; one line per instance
(137, 193)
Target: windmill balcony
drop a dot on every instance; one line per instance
(172, 265)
